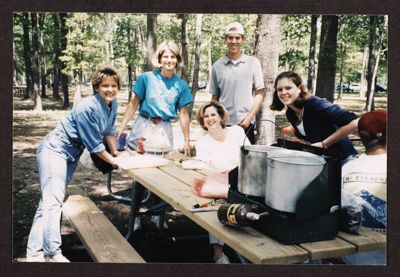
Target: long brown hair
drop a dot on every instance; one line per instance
(277, 105)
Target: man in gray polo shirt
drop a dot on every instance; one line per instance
(237, 82)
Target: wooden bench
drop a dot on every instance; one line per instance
(101, 239)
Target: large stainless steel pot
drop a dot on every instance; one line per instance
(253, 168)
(288, 175)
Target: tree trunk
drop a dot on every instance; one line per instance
(196, 67)
(129, 83)
(312, 59)
(341, 69)
(363, 79)
(77, 94)
(109, 25)
(151, 39)
(43, 69)
(27, 56)
(132, 49)
(209, 64)
(185, 47)
(376, 28)
(35, 64)
(267, 51)
(63, 46)
(15, 82)
(57, 53)
(139, 41)
(327, 58)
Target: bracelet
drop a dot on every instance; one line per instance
(324, 145)
(187, 140)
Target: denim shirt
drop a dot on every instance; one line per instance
(85, 126)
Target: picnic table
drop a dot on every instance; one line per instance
(19, 90)
(173, 184)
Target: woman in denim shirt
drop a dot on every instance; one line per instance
(316, 120)
(88, 125)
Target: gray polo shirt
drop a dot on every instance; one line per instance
(235, 82)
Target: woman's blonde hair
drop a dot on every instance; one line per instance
(221, 110)
(102, 72)
(167, 45)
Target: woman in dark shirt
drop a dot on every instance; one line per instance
(316, 120)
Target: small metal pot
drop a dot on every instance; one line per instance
(253, 168)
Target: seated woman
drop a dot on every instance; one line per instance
(220, 148)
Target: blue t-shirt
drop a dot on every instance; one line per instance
(160, 96)
(85, 126)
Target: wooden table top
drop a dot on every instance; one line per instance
(172, 183)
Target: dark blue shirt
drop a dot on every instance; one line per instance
(321, 119)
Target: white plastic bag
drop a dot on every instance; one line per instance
(156, 139)
(141, 161)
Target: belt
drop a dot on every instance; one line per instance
(155, 120)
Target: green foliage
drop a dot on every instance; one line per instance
(352, 39)
(295, 40)
(86, 42)
(85, 47)
(18, 47)
(129, 28)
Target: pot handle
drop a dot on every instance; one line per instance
(253, 126)
(244, 150)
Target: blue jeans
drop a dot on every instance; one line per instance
(55, 172)
(375, 257)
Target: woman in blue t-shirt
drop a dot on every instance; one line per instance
(158, 95)
(91, 122)
(315, 120)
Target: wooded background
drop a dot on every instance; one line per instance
(54, 51)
